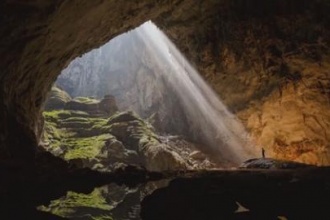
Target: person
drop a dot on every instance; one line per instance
(263, 152)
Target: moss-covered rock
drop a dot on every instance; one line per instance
(94, 107)
(86, 100)
(73, 202)
(102, 143)
(85, 148)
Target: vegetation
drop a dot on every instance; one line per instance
(86, 100)
(76, 135)
(85, 148)
(102, 217)
(68, 205)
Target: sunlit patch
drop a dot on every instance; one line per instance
(282, 218)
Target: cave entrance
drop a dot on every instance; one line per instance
(136, 100)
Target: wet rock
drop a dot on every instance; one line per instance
(221, 194)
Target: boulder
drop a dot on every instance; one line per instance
(57, 99)
(197, 155)
(159, 158)
(108, 104)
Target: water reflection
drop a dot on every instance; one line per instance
(109, 202)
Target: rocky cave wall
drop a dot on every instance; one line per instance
(268, 61)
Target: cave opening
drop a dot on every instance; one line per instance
(268, 61)
(136, 101)
(137, 94)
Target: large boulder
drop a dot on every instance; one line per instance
(57, 99)
(108, 104)
(159, 158)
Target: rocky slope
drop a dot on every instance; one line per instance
(86, 134)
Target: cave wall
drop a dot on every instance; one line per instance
(267, 60)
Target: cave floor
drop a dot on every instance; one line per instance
(243, 194)
(209, 194)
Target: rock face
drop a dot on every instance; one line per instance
(57, 99)
(254, 53)
(278, 85)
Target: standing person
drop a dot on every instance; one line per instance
(263, 152)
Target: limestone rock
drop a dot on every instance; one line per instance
(57, 99)
(190, 152)
(108, 104)
(159, 158)
(197, 155)
(98, 108)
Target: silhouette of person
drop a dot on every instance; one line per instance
(263, 152)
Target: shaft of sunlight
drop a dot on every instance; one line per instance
(219, 128)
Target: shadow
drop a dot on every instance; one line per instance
(279, 194)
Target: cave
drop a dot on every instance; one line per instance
(267, 60)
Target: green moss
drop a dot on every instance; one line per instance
(123, 117)
(85, 148)
(145, 140)
(77, 124)
(86, 100)
(101, 128)
(130, 129)
(82, 137)
(60, 94)
(56, 115)
(68, 205)
(51, 131)
(76, 119)
(75, 113)
(102, 217)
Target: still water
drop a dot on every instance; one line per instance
(109, 202)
